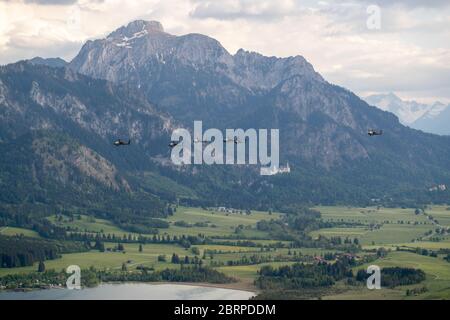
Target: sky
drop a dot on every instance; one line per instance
(367, 46)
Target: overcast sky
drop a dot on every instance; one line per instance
(408, 54)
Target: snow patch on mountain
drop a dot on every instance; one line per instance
(435, 110)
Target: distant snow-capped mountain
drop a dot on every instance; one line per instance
(407, 111)
(436, 120)
(433, 118)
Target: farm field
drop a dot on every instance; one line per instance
(441, 213)
(399, 228)
(213, 224)
(387, 234)
(218, 223)
(110, 260)
(249, 272)
(209, 223)
(12, 231)
(377, 226)
(430, 245)
(437, 279)
(88, 224)
(371, 215)
(374, 228)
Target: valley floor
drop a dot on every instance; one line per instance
(410, 239)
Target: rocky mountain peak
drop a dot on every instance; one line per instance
(138, 27)
(199, 49)
(51, 62)
(242, 54)
(254, 70)
(126, 52)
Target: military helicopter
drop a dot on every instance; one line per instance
(119, 142)
(235, 140)
(372, 132)
(197, 140)
(172, 144)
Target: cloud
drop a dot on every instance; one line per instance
(240, 9)
(52, 2)
(55, 2)
(410, 3)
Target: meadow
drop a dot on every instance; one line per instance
(218, 223)
(396, 229)
(12, 231)
(207, 222)
(437, 282)
(375, 228)
(197, 221)
(378, 226)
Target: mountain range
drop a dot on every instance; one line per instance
(58, 121)
(433, 118)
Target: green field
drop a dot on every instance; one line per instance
(219, 223)
(388, 234)
(371, 215)
(11, 231)
(374, 227)
(89, 225)
(111, 260)
(248, 273)
(394, 226)
(441, 213)
(437, 281)
(397, 228)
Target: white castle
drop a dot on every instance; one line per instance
(440, 187)
(275, 170)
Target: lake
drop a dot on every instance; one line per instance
(132, 291)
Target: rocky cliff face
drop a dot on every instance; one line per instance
(93, 113)
(39, 97)
(144, 43)
(66, 162)
(255, 71)
(56, 133)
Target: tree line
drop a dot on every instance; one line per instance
(396, 276)
(19, 251)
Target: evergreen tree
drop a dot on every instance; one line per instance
(41, 266)
(99, 245)
(175, 259)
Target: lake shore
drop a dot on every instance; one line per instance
(241, 286)
(134, 291)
